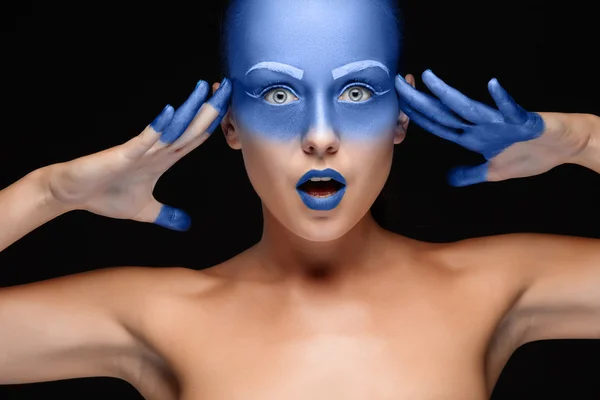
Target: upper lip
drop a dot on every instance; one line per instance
(324, 173)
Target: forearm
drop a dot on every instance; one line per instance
(24, 206)
(587, 125)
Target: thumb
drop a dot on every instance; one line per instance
(165, 216)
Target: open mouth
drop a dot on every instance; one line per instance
(321, 187)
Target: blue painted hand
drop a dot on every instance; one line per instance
(514, 142)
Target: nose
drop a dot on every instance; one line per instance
(320, 141)
(321, 138)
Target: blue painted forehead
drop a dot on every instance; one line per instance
(309, 33)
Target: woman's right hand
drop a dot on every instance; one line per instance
(119, 182)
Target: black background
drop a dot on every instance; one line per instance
(81, 78)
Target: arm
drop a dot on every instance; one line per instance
(81, 325)
(562, 273)
(560, 277)
(589, 126)
(24, 206)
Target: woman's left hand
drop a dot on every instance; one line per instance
(516, 143)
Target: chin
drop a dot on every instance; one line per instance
(323, 229)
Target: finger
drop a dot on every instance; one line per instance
(470, 110)
(208, 119)
(427, 105)
(429, 125)
(185, 114)
(467, 175)
(189, 147)
(173, 218)
(509, 109)
(165, 216)
(140, 144)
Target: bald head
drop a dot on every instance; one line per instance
(248, 23)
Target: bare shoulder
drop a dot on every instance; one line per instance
(534, 272)
(524, 256)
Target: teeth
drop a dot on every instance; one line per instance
(320, 179)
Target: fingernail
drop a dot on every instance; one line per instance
(401, 77)
(220, 100)
(163, 120)
(199, 83)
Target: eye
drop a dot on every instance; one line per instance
(279, 96)
(356, 94)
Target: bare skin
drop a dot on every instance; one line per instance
(428, 321)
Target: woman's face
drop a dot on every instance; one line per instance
(313, 97)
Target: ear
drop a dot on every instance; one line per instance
(403, 119)
(228, 126)
(230, 132)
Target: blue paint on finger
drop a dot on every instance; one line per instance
(215, 124)
(186, 113)
(163, 120)
(173, 218)
(220, 101)
(466, 175)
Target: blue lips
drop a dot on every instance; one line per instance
(322, 203)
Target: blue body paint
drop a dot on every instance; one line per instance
(482, 128)
(322, 203)
(163, 120)
(173, 218)
(220, 101)
(274, 55)
(186, 113)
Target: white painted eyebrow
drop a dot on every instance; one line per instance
(357, 66)
(279, 67)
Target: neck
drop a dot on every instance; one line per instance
(287, 256)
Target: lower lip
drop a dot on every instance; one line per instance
(322, 203)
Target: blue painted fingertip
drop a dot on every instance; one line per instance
(163, 120)
(429, 78)
(466, 176)
(174, 219)
(220, 100)
(494, 88)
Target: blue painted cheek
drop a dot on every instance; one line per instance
(274, 122)
(368, 120)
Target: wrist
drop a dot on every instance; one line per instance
(589, 156)
(47, 201)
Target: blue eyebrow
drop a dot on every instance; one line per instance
(357, 66)
(278, 67)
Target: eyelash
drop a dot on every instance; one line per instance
(275, 85)
(364, 82)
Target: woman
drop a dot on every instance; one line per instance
(328, 304)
